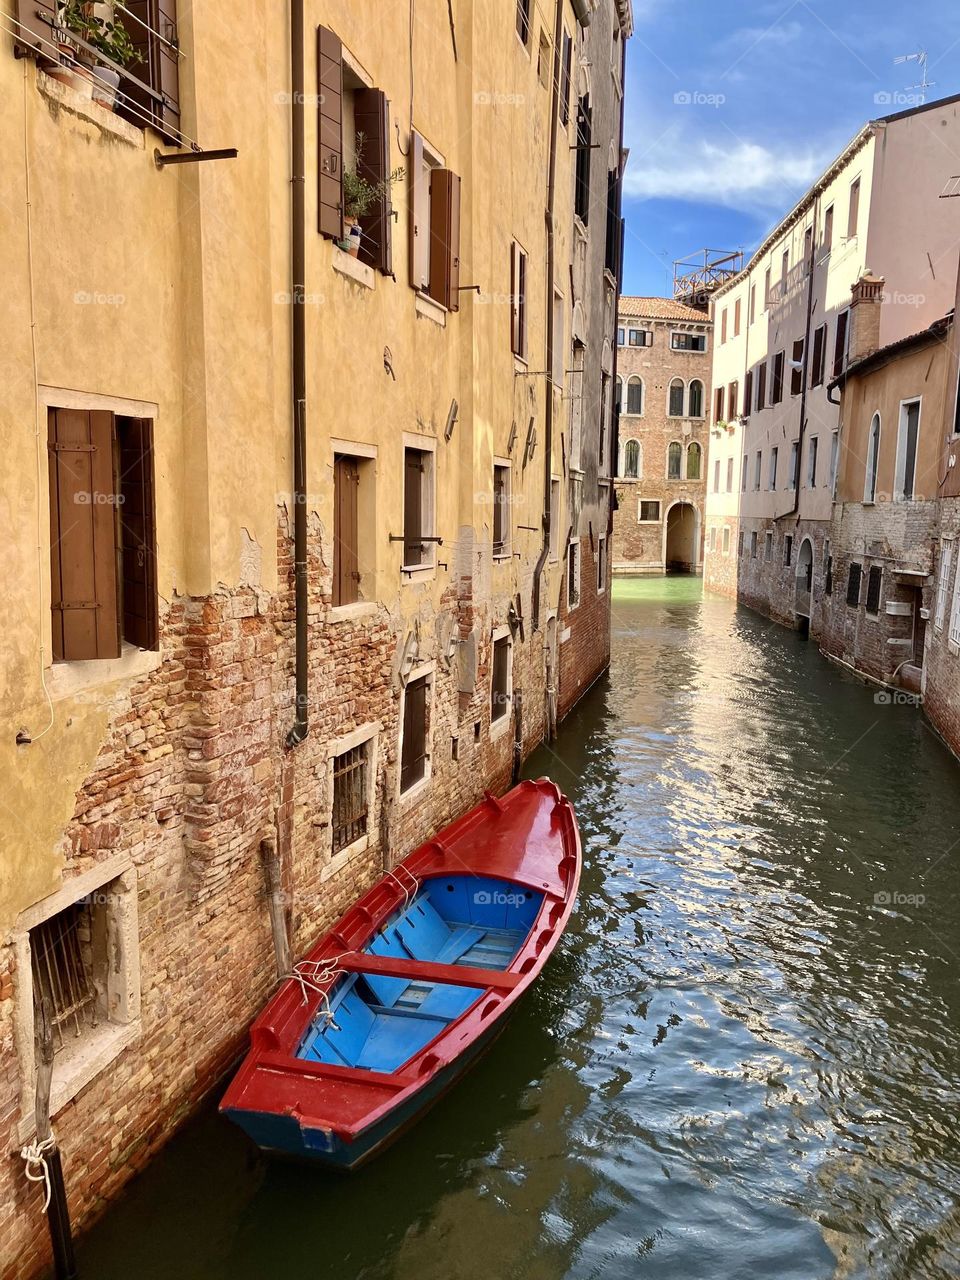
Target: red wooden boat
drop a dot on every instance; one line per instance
(414, 981)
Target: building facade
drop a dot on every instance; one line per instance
(297, 504)
(782, 330)
(663, 390)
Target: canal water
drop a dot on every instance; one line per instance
(744, 1061)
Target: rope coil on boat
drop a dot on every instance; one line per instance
(316, 976)
(37, 1170)
(408, 893)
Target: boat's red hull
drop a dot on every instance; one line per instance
(340, 1114)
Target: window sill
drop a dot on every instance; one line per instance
(353, 268)
(520, 364)
(418, 788)
(80, 1062)
(350, 612)
(78, 103)
(418, 573)
(499, 727)
(502, 557)
(73, 679)
(610, 278)
(431, 310)
(343, 857)
(579, 228)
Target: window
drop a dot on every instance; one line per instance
(695, 399)
(758, 469)
(827, 571)
(874, 581)
(768, 545)
(346, 528)
(747, 393)
(840, 344)
(648, 511)
(733, 392)
(743, 474)
(351, 796)
(618, 395)
(518, 301)
(523, 20)
(621, 337)
(558, 341)
(855, 573)
(753, 545)
(777, 381)
(688, 342)
(761, 385)
(414, 753)
(716, 476)
(956, 410)
(674, 457)
(576, 406)
(675, 404)
(766, 289)
(853, 212)
(434, 195)
(103, 560)
(501, 510)
(723, 326)
(796, 368)
(566, 65)
(740, 544)
(581, 202)
(573, 574)
(500, 681)
(784, 272)
(418, 490)
(819, 355)
(828, 229)
(601, 565)
(726, 540)
(736, 318)
(943, 582)
(813, 447)
(953, 635)
(641, 338)
(718, 404)
(807, 243)
(635, 395)
(555, 492)
(787, 549)
(753, 303)
(631, 459)
(544, 59)
(793, 477)
(712, 538)
(605, 404)
(772, 477)
(907, 439)
(873, 458)
(729, 475)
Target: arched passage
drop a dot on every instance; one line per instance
(804, 580)
(682, 539)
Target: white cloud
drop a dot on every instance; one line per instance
(739, 175)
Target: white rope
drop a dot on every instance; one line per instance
(37, 1170)
(408, 893)
(318, 976)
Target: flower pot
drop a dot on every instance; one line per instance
(351, 240)
(105, 84)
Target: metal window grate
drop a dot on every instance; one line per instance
(62, 971)
(350, 809)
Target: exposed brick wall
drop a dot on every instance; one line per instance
(721, 568)
(584, 632)
(941, 684)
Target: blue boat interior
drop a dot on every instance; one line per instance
(380, 1022)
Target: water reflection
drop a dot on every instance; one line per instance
(744, 1060)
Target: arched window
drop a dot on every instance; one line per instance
(694, 457)
(873, 458)
(618, 395)
(634, 395)
(695, 399)
(675, 406)
(674, 457)
(631, 460)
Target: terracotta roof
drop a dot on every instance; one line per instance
(883, 355)
(660, 309)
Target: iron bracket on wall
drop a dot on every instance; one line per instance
(162, 159)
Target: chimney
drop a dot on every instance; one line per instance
(865, 303)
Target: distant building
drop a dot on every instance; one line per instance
(782, 330)
(663, 390)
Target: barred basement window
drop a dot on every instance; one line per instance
(350, 796)
(874, 581)
(853, 585)
(500, 680)
(62, 957)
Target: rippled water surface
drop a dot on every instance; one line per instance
(744, 1061)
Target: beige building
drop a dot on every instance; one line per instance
(663, 390)
(782, 329)
(247, 457)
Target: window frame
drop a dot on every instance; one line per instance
(900, 477)
(504, 505)
(500, 636)
(574, 558)
(947, 552)
(409, 572)
(366, 735)
(641, 502)
(427, 673)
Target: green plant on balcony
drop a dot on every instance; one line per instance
(360, 196)
(107, 35)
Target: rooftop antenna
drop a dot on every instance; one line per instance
(921, 58)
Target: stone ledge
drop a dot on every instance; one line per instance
(80, 104)
(353, 268)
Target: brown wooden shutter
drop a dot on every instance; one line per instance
(840, 346)
(565, 79)
(498, 683)
(83, 561)
(413, 761)
(346, 575)
(819, 338)
(330, 76)
(168, 69)
(152, 28)
(372, 113)
(416, 232)
(35, 19)
(413, 507)
(138, 543)
(796, 370)
(445, 238)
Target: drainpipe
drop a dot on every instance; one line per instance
(551, 268)
(298, 180)
(795, 509)
(614, 445)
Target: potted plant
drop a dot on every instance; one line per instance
(97, 25)
(359, 197)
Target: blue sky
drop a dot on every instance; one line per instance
(735, 106)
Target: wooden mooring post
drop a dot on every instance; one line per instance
(278, 915)
(43, 1157)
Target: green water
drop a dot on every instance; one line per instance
(744, 1060)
